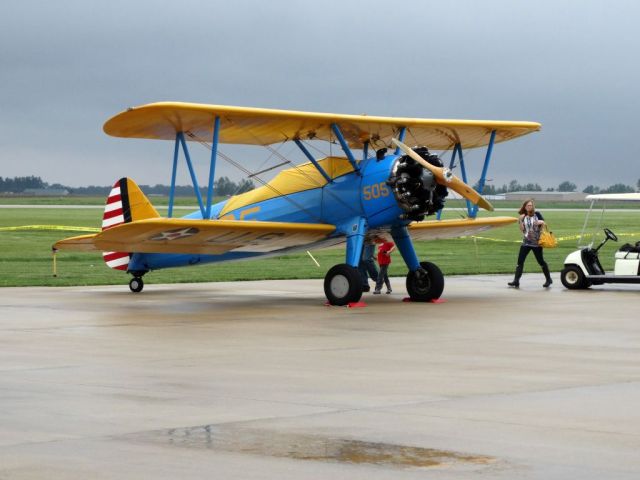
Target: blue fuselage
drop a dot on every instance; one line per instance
(347, 199)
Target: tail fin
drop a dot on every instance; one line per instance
(125, 203)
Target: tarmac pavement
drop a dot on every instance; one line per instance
(257, 380)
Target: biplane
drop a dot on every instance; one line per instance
(377, 186)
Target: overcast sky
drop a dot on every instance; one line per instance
(67, 66)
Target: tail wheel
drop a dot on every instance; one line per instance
(343, 284)
(573, 278)
(425, 284)
(136, 284)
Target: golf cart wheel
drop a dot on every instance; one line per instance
(573, 278)
(426, 285)
(136, 284)
(343, 284)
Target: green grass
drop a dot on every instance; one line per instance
(25, 256)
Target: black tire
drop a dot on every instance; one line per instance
(573, 278)
(343, 284)
(136, 284)
(424, 288)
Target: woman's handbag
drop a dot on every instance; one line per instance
(547, 238)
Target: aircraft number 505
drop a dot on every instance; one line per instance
(376, 190)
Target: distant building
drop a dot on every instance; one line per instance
(46, 192)
(546, 196)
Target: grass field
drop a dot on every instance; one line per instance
(25, 255)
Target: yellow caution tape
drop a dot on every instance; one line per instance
(560, 239)
(50, 227)
(475, 237)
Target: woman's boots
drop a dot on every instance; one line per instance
(516, 278)
(547, 276)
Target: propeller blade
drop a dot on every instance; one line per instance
(445, 177)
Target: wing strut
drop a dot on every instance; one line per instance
(401, 135)
(313, 160)
(472, 210)
(194, 180)
(345, 148)
(212, 166)
(458, 150)
(205, 211)
(485, 167)
(174, 170)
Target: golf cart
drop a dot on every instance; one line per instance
(582, 268)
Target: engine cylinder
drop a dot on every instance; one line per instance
(415, 188)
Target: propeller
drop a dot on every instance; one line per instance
(445, 177)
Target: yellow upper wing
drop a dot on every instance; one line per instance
(168, 235)
(435, 229)
(259, 126)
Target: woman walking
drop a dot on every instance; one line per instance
(531, 223)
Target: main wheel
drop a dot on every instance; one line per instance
(426, 285)
(573, 278)
(136, 284)
(343, 284)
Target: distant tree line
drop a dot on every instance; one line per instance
(565, 186)
(616, 188)
(20, 184)
(222, 187)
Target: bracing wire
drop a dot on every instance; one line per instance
(248, 172)
(276, 153)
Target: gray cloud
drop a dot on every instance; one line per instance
(68, 66)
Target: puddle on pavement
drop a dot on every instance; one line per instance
(236, 439)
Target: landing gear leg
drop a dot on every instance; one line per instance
(343, 283)
(425, 281)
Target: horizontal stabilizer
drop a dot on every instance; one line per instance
(81, 243)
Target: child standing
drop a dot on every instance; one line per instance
(384, 260)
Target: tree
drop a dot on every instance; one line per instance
(486, 190)
(224, 186)
(245, 186)
(567, 186)
(591, 189)
(638, 185)
(618, 188)
(514, 186)
(19, 184)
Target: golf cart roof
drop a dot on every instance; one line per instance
(630, 197)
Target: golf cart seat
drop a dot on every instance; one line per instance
(629, 251)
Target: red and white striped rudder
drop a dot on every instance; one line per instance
(125, 203)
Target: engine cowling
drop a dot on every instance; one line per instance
(415, 188)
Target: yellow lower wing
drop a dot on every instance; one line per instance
(168, 235)
(435, 229)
